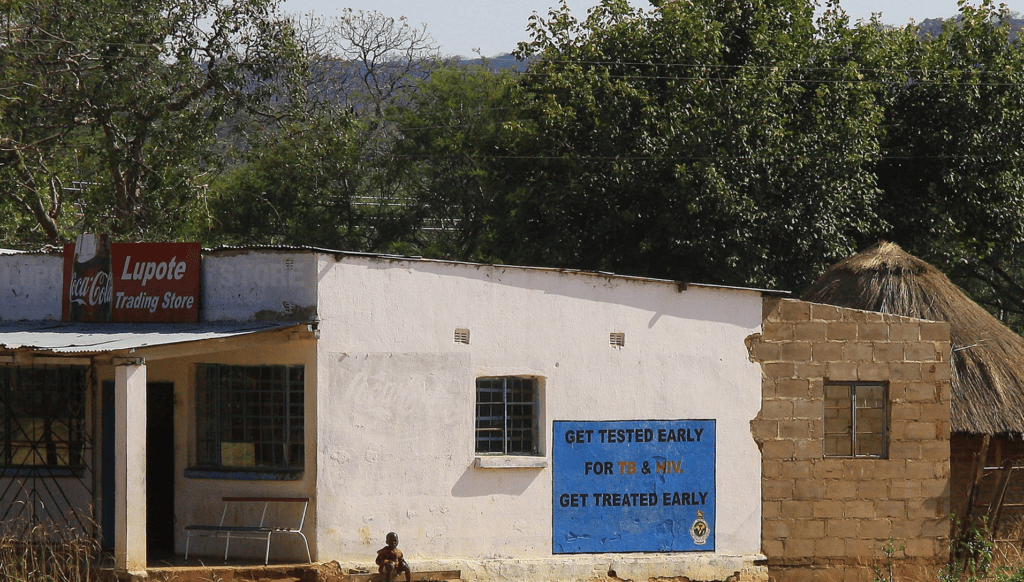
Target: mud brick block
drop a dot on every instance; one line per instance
(830, 547)
(795, 351)
(873, 331)
(792, 388)
(858, 351)
(860, 508)
(841, 331)
(808, 489)
(827, 352)
(935, 331)
(792, 310)
(776, 331)
(763, 351)
(923, 352)
(887, 351)
(875, 372)
(842, 371)
(843, 528)
(824, 312)
(829, 508)
(904, 331)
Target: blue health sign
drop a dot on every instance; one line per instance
(633, 486)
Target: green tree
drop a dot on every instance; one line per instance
(292, 187)
(448, 130)
(108, 108)
(328, 177)
(710, 141)
(951, 171)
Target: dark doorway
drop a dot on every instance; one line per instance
(160, 469)
(109, 466)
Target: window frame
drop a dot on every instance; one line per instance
(70, 387)
(506, 438)
(224, 385)
(852, 432)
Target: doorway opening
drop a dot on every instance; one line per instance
(160, 521)
(160, 469)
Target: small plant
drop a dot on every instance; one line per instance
(971, 553)
(1009, 575)
(885, 574)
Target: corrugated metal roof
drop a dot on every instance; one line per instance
(81, 338)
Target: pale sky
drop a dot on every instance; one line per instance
(495, 26)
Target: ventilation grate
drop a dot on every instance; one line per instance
(617, 339)
(462, 336)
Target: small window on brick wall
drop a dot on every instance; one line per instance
(856, 419)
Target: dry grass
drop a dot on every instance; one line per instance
(48, 554)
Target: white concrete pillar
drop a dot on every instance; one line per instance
(130, 466)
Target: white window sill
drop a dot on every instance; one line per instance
(508, 462)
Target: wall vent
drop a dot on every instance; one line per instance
(617, 339)
(462, 336)
(289, 264)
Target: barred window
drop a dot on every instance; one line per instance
(506, 416)
(855, 420)
(43, 413)
(250, 416)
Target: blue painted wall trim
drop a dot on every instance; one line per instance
(244, 475)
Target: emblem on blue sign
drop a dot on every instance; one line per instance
(633, 486)
(700, 530)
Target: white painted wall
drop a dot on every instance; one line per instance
(31, 286)
(267, 285)
(396, 400)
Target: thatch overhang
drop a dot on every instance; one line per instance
(987, 381)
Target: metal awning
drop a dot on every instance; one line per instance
(85, 338)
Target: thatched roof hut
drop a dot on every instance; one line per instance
(987, 380)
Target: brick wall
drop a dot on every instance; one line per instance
(831, 518)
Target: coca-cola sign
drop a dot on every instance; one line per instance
(87, 280)
(146, 282)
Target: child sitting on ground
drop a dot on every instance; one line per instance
(390, 560)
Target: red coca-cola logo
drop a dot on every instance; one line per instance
(93, 289)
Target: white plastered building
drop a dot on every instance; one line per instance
(374, 374)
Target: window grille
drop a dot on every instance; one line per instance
(506, 416)
(43, 413)
(462, 336)
(617, 339)
(250, 416)
(856, 420)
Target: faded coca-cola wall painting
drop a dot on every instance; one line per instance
(144, 282)
(87, 284)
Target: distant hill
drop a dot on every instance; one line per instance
(498, 63)
(933, 26)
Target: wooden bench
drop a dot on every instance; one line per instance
(248, 531)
